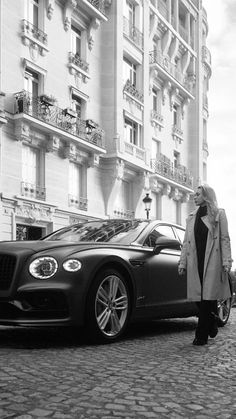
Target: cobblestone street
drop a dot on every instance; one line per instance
(154, 372)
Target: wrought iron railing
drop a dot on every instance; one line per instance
(123, 213)
(166, 169)
(33, 191)
(32, 30)
(60, 118)
(99, 4)
(78, 202)
(206, 55)
(156, 116)
(132, 32)
(78, 61)
(133, 91)
(156, 57)
(163, 9)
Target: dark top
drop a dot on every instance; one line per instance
(200, 232)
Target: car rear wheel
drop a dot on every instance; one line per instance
(223, 309)
(108, 307)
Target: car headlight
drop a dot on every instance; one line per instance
(72, 265)
(43, 267)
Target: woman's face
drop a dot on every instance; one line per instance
(198, 197)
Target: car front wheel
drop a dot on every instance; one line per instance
(108, 307)
(223, 309)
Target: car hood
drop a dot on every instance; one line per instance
(42, 246)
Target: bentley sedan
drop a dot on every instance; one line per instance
(100, 274)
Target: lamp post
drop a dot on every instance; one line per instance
(147, 202)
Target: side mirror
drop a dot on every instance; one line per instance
(165, 242)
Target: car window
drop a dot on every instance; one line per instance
(180, 233)
(158, 231)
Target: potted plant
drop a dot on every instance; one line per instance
(49, 100)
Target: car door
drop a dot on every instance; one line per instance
(163, 284)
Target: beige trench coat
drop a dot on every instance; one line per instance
(218, 253)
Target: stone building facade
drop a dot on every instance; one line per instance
(101, 102)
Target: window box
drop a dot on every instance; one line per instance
(70, 112)
(49, 100)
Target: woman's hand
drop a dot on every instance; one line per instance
(181, 271)
(226, 268)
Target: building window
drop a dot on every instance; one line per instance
(176, 159)
(129, 11)
(156, 100)
(77, 105)
(132, 132)
(31, 82)
(156, 149)
(76, 187)
(74, 179)
(75, 41)
(33, 12)
(33, 172)
(176, 116)
(129, 72)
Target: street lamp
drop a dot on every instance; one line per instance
(147, 202)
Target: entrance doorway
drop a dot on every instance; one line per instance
(25, 232)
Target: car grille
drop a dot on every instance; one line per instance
(7, 267)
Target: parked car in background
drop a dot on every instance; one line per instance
(101, 274)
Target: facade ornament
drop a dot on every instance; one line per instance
(69, 151)
(156, 186)
(34, 51)
(173, 94)
(119, 170)
(176, 194)
(91, 31)
(165, 91)
(70, 5)
(33, 213)
(22, 131)
(50, 5)
(53, 144)
(185, 198)
(166, 190)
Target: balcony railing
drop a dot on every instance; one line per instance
(156, 57)
(131, 89)
(32, 30)
(78, 202)
(206, 55)
(156, 116)
(59, 118)
(132, 32)
(33, 191)
(78, 61)
(99, 4)
(166, 169)
(183, 32)
(135, 150)
(122, 213)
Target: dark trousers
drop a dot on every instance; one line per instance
(207, 310)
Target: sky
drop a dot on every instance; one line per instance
(221, 131)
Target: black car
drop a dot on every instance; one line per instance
(100, 274)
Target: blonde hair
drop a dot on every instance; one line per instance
(209, 196)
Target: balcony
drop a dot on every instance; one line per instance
(133, 91)
(166, 169)
(206, 57)
(162, 7)
(122, 213)
(31, 190)
(169, 71)
(34, 37)
(156, 118)
(53, 118)
(132, 33)
(135, 151)
(177, 133)
(95, 8)
(78, 62)
(183, 33)
(78, 202)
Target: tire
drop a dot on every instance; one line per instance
(223, 311)
(108, 307)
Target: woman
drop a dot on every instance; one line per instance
(206, 258)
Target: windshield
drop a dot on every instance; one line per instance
(114, 231)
